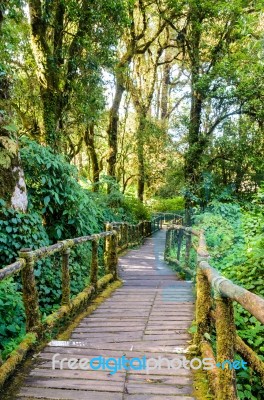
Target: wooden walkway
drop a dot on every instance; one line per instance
(148, 316)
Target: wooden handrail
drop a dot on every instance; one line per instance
(251, 302)
(117, 236)
(225, 292)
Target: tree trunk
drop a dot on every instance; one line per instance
(89, 141)
(194, 152)
(140, 157)
(12, 182)
(165, 89)
(112, 131)
(51, 118)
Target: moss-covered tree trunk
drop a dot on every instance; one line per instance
(90, 144)
(12, 181)
(112, 131)
(51, 118)
(141, 158)
(195, 150)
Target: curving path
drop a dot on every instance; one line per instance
(148, 316)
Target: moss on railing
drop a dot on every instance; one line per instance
(208, 281)
(36, 328)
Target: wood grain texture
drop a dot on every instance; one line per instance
(148, 316)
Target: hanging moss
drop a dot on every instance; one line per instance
(30, 293)
(66, 286)
(203, 306)
(95, 304)
(16, 357)
(9, 174)
(94, 263)
(251, 357)
(201, 386)
(225, 336)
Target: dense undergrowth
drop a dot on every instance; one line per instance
(60, 207)
(234, 234)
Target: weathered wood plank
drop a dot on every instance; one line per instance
(149, 316)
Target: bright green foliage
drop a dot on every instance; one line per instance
(137, 208)
(235, 242)
(18, 230)
(168, 205)
(12, 317)
(54, 191)
(60, 208)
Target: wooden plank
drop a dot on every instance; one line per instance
(61, 394)
(155, 397)
(74, 384)
(135, 388)
(149, 316)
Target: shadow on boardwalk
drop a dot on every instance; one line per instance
(149, 316)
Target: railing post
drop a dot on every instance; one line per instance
(144, 229)
(225, 346)
(203, 289)
(180, 236)
(188, 238)
(111, 259)
(138, 234)
(65, 279)
(167, 243)
(203, 307)
(30, 293)
(129, 235)
(94, 263)
(132, 233)
(126, 234)
(122, 235)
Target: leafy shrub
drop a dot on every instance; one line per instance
(235, 240)
(12, 316)
(166, 205)
(18, 230)
(67, 209)
(59, 208)
(136, 208)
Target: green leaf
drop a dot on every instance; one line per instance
(46, 200)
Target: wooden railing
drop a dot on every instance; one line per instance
(169, 217)
(214, 307)
(116, 237)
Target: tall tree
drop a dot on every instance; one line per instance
(64, 36)
(137, 39)
(141, 86)
(206, 35)
(12, 182)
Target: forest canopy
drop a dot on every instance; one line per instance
(113, 110)
(163, 98)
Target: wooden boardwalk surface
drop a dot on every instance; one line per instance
(148, 316)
